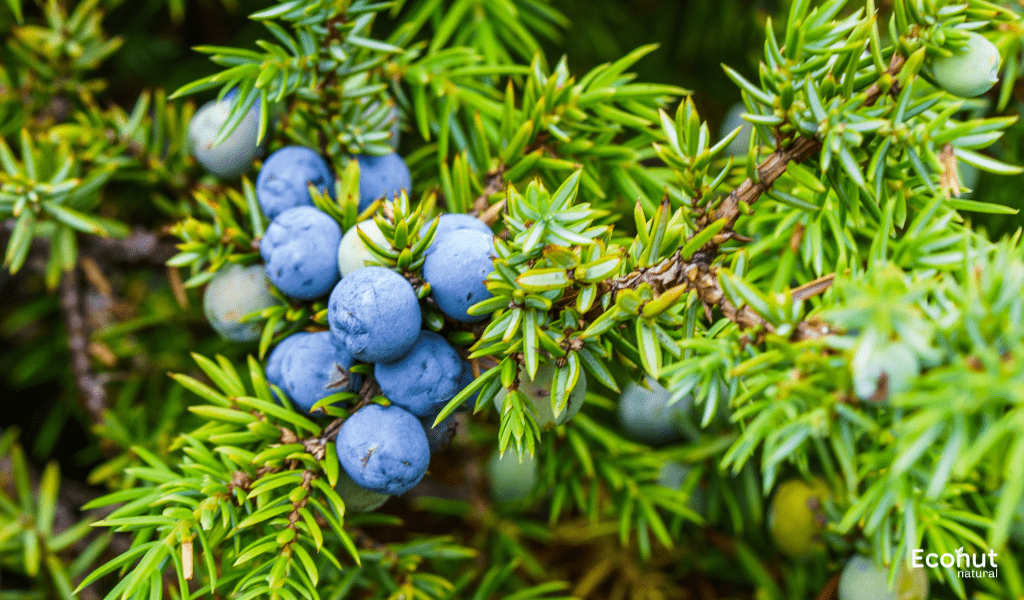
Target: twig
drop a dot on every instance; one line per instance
(814, 287)
(751, 190)
(90, 385)
(141, 246)
(776, 164)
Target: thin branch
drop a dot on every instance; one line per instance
(750, 191)
(482, 209)
(813, 288)
(699, 274)
(90, 385)
(773, 167)
(141, 246)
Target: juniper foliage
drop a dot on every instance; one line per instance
(833, 301)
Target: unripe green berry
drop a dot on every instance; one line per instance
(352, 252)
(971, 71)
(733, 119)
(646, 415)
(967, 174)
(796, 517)
(511, 480)
(673, 474)
(358, 499)
(862, 579)
(233, 293)
(232, 157)
(1017, 525)
(538, 392)
(896, 361)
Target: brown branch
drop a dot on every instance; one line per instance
(773, 167)
(90, 385)
(750, 191)
(698, 273)
(813, 288)
(484, 211)
(141, 246)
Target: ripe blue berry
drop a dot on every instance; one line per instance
(233, 293)
(971, 71)
(299, 248)
(276, 358)
(511, 480)
(538, 393)
(425, 379)
(352, 252)
(382, 177)
(314, 367)
(862, 579)
(647, 417)
(376, 312)
(456, 270)
(449, 222)
(283, 180)
(383, 449)
(234, 155)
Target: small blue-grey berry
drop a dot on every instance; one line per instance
(383, 449)
(233, 293)
(299, 248)
(283, 180)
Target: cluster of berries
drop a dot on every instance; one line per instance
(374, 317)
(373, 312)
